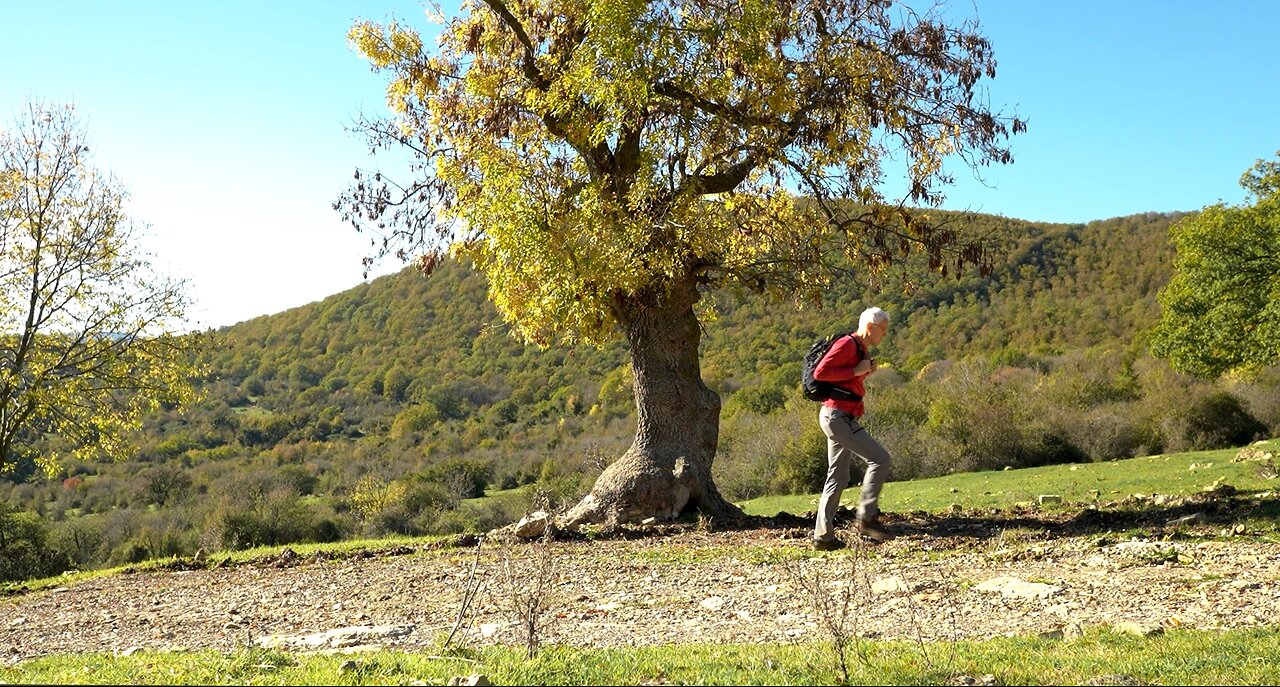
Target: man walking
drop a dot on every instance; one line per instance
(847, 365)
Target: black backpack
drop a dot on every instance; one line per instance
(815, 390)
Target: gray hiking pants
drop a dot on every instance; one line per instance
(845, 437)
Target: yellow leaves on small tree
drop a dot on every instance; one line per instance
(87, 330)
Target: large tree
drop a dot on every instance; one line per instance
(87, 329)
(605, 161)
(1221, 309)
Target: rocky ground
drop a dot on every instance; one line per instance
(945, 577)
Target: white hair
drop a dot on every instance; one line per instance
(872, 315)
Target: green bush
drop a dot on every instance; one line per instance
(801, 466)
(24, 550)
(415, 418)
(558, 486)
(1219, 420)
(463, 478)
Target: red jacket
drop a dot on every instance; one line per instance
(837, 367)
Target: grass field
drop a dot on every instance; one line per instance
(1100, 657)
(1178, 474)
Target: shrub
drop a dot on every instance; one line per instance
(759, 399)
(1110, 432)
(802, 463)
(415, 418)
(463, 478)
(557, 487)
(1219, 420)
(24, 552)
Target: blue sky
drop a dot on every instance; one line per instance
(226, 121)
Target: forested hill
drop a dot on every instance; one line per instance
(403, 337)
(1055, 287)
(357, 360)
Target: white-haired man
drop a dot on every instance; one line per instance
(847, 365)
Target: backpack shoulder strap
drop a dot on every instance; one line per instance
(862, 350)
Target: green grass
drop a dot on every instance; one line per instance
(510, 499)
(336, 549)
(1179, 657)
(1113, 481)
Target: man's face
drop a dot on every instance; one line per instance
(876, 332)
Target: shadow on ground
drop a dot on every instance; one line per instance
(1209, 513)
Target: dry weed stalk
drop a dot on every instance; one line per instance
(838, 590)
(831, 588)
(470, 590)
(526, 588)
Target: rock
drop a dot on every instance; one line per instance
(470, 680)
(343, 637)
(1220, 488)
(533, 525)
(1073, 631)
(1014, 587)
(347, 666)
(1249, 453)
(886, 585)
(1049, 499)
(1193, 519)
(287, 558)
(712, 603)
(1129, 627)
(649, 521)
(130, 651)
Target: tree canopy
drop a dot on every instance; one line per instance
(1221, 309)
(579, 150)
(87, 329)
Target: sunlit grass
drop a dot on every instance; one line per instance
(1179, 657)
(1179, 474)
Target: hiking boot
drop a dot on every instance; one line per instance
(828, 545)
(872, 529)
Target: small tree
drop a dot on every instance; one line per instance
(606, 161)
(87, 330)
(1221, 309)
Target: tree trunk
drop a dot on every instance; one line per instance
(667, 470)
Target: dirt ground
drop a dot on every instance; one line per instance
(684, 584)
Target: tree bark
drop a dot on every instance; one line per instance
(667, 470)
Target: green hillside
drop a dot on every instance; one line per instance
(378, 410)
